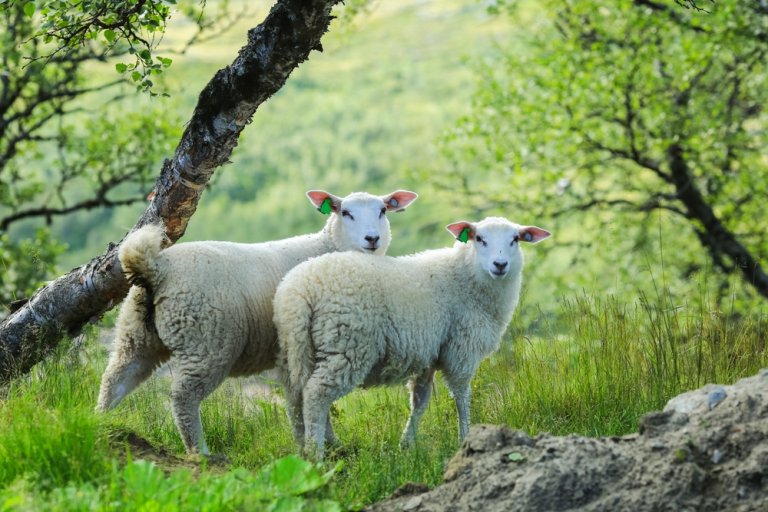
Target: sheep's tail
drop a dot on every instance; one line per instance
(139, 254)
(293, 318)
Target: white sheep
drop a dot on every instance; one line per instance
(207, 306)
(344, 321)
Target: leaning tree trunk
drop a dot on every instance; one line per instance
(275, 48)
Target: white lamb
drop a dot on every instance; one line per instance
(207, 306)
(345, 321)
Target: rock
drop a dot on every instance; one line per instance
(707, 451)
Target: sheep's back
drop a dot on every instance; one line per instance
(221, 293)
(382, 313)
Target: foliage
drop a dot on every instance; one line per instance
(585, 124)
(288, 484)
(25, 265)
(67, 26)
(71, 139)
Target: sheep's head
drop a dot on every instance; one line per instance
(359, 222)
(495, 243)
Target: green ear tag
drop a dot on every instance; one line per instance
(464, 235)
(325, 208)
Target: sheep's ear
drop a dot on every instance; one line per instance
(399, 200)
(532, 234)
(462, 230)
(324, 202)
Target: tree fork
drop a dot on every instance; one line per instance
(291, 30)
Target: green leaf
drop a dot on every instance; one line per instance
(165, 61)
(516, 457)
(135, 76)
(29, 9)
(110, 35)
(120, 67)
(145, 54)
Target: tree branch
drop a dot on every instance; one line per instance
(48, 212)
(717, 239)
(274, 49)
(630, 155)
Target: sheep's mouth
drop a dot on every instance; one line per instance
(498, 273)
(370, 249)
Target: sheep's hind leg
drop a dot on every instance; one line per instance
(318, 398)
(136, 353)
(121, 377)
(294, 408)
(421, 392)
(188, 391)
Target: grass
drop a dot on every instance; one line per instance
(593, 370)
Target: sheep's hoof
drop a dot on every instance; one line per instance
(212, 459)
(218, 459)
(338, 451)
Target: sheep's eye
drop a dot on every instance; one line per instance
(345, 213)
(382, 212)
(514, 240)
(480, 240)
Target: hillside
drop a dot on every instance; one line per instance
(367, 112)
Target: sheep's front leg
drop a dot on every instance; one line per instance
(421, 392)
(459, 387)
(462, 398)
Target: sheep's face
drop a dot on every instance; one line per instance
(495, 243)
(359, 221)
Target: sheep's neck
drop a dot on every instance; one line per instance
(299, 249)
(497, 297)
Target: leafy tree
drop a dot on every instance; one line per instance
(68, 141)
(225, 106)
(630, 118)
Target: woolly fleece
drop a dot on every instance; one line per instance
(345, 321)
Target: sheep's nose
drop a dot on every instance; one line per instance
(371, 239)
(500, 265)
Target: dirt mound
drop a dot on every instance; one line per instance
(707, 451)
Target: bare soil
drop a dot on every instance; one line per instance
(132, 446)
(706, 451)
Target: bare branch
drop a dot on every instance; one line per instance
(625, 154)
(48, 212)
(672, 13)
